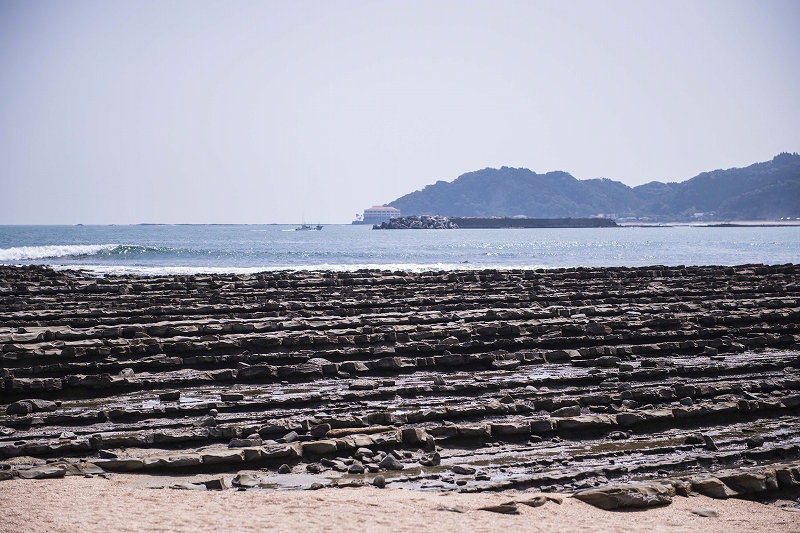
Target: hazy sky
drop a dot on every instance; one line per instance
(253, 112)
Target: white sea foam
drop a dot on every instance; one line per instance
(27, 253)
(119, 270)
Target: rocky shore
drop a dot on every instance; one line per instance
(620, 386)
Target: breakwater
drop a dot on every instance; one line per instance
(441, 222)
(559, 380)
(511, 222)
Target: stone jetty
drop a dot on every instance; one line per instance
(418, 222)
(624, 386)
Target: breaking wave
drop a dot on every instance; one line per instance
(27, 253)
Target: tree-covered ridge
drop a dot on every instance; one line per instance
(768, 190)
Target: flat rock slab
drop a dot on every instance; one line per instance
(619, 496)
(44, 472)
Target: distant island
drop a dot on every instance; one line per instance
(762, 191)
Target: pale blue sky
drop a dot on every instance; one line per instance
(253, 112)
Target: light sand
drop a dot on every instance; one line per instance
(99, 505)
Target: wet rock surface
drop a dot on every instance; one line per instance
(561, 380)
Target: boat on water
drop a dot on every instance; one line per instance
(309, 227)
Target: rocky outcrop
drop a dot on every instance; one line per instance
(557, 380)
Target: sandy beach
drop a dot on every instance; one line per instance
(99, 505)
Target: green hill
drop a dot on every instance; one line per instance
(768, 190)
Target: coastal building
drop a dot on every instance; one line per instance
(377, 214)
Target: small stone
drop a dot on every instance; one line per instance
(170, 396)
(430, 443)
(452, 509)
(189, 486)
(363, 384)
(755, 442)
(216, 484)
(208, 422)
(536, 501)
(502, 509)
(704, 512)
(356, 468)
(431, 459)
(284, 469)
(710, 444)
(687, 401)
(379, 481)
(463, 469)
(245, 480)
(231, 396)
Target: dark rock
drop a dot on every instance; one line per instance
(756, 441)
(216, 484)
(170, 396)
(561, 356)
(414, 436)
(430, 443)
(379, 481)
(572, 410)
(231, 396)
(24, 407)
(430, 459)
(320, 447)
(245, 443)
(120, 465)
(710, 444)
(284, 469)
(356, 468)
(390, 462)
(320, 431)
(44, 472)
(694, 439)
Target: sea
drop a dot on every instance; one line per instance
(186, 249)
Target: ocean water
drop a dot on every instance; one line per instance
(179, 249)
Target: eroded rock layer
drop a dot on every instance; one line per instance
(556, 380)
